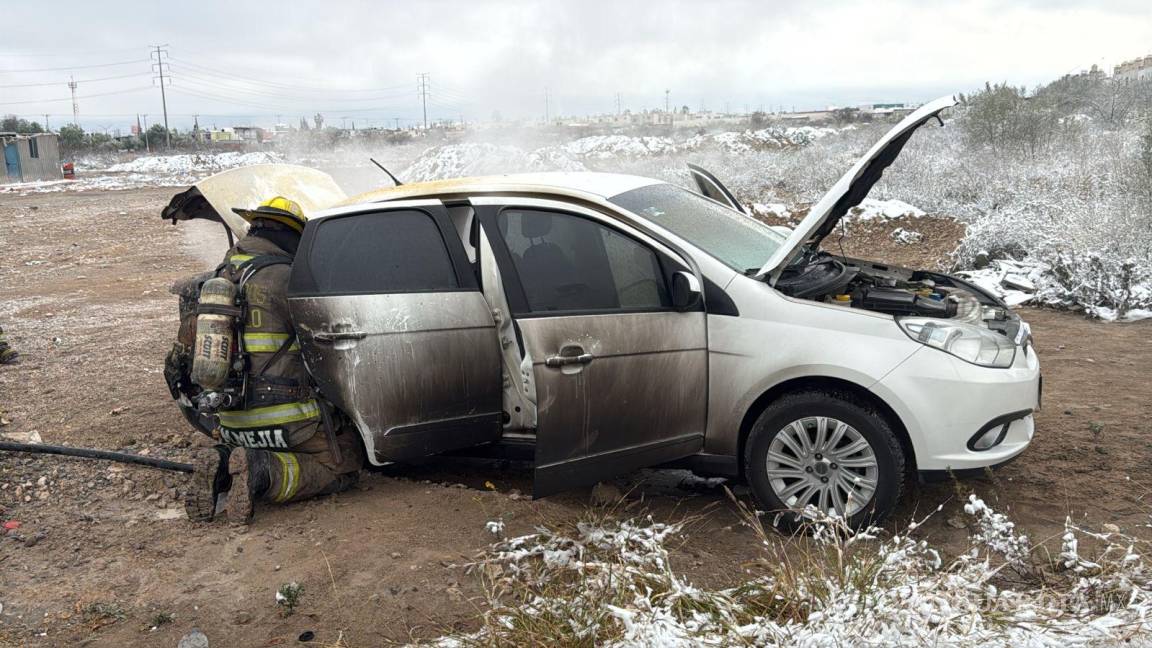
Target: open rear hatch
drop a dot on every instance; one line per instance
(214, 197)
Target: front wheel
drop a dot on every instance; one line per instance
(823, 451)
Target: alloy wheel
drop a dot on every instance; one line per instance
(824, 463)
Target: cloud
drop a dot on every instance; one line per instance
(240, 58)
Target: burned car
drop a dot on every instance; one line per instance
(599, 323)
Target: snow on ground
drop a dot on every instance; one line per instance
(474, 159)
(763, 139)
(872, 209)
(101, 173)
(613, 146)
(1020, 282)
(611, 583)
(772, 209)
(905, 236)
(193, 163)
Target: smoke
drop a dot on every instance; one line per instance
(205, 242)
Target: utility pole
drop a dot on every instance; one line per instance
(547, 107)
(75, 106)
(159, 67)
(617, 103)
(147, 146)
(422, 79)
(46, 128)
(668, 106)
(397, 122)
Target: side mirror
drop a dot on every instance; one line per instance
(686, 292)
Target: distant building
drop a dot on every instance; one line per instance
(28, 158)
(249, 133)
(807, 117)
(1139, 69)
(887, 110)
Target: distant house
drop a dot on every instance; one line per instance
(249, 133)
(28, 158)
(808, 117)
(1135, 70)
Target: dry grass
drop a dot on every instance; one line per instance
(606, 581)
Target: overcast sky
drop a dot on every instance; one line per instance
(240, 61)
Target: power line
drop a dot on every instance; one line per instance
(52, 83)
(57, 53)
(272, 109)
(76, 67)
(289, 86)
(91, 96)
(216, 86)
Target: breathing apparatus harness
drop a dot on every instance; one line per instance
(220, 362)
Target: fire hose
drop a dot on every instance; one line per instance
(90, 453)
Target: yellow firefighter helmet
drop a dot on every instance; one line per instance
(279, 209)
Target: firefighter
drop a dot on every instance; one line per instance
(8, 355)
(286, 444)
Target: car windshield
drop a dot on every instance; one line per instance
(740, 241)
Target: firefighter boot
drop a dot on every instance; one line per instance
(249, 472)
(209, 480)
(8, 355)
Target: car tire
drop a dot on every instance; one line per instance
(785, 476)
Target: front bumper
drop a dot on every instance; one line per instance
(944, 401)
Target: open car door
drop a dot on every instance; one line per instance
(395, 330)
(613, 331)
(711, 187)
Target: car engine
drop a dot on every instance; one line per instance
(893, 290)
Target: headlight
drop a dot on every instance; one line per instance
(965, 341)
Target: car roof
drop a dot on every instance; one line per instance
(587, 183)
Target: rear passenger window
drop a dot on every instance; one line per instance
(393, 252)
(569, 263)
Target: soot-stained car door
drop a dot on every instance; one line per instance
(395, 331)
(620, 373)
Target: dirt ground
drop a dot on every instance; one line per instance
(103, 553)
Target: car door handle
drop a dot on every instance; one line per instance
(328, 337)
(562, 360)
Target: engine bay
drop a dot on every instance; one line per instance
(893, 290)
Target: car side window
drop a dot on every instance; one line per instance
(393, 252)
(571, 263)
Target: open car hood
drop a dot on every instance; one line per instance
(214, 197)
(851, 188)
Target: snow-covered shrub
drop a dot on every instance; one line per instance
(612, 583)
(477, 159)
